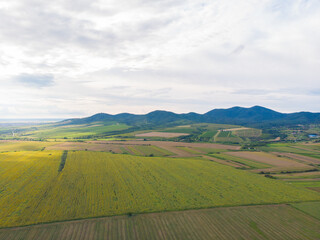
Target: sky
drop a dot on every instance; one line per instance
(67, 58)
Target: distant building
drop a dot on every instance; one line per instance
(313, 136)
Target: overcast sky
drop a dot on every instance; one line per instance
(67, 58)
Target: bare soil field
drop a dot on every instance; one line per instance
(161, 134)
(252, 222)
(302, 158)
(271, 159)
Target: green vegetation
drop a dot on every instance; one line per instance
(227, 137)
(311, 208)
(151, 151)
(189, 150)
(99, 184)
(6, 146)
(73, 131)
(63, 160)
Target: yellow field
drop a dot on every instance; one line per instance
(25, 178)
(24, 145)
(102, 184)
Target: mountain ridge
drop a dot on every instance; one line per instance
(252, 116)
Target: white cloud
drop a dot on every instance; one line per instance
(137, 56)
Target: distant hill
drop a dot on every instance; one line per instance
(255, 116)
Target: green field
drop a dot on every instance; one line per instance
(254, 222)
(227, 136)
(189, 150)
(6, 146)
(248, 133)
(95, 184)
(74, 131)
(155, 151)
(311, 208)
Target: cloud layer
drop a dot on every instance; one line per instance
(66, 58)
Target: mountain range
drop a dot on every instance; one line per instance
(256, 116)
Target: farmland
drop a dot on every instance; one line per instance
(197, 181)
(95, 184)
(253, 222)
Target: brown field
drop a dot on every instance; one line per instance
(161, 134)
(118, 146)
(271, 159)
(253, 222)
(302, 158)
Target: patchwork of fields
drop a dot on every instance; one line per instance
(254, 222)
(95, 184)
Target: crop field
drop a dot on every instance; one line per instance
(302, 158)
(25, 178)
(72, 131)
(161, 134)
(251, 164)
(190, 150)
(24, 145)
(153, 150)
(303, 175)
(253, 222)
(311, 208)
(271, 159)
(227, 136)
(95, 184)
(291, 148)
(247, 133)
(209, 134)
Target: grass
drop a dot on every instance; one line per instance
(311, 208)
(254, 222)
(102, 184)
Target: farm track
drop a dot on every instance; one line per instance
(246, 222)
